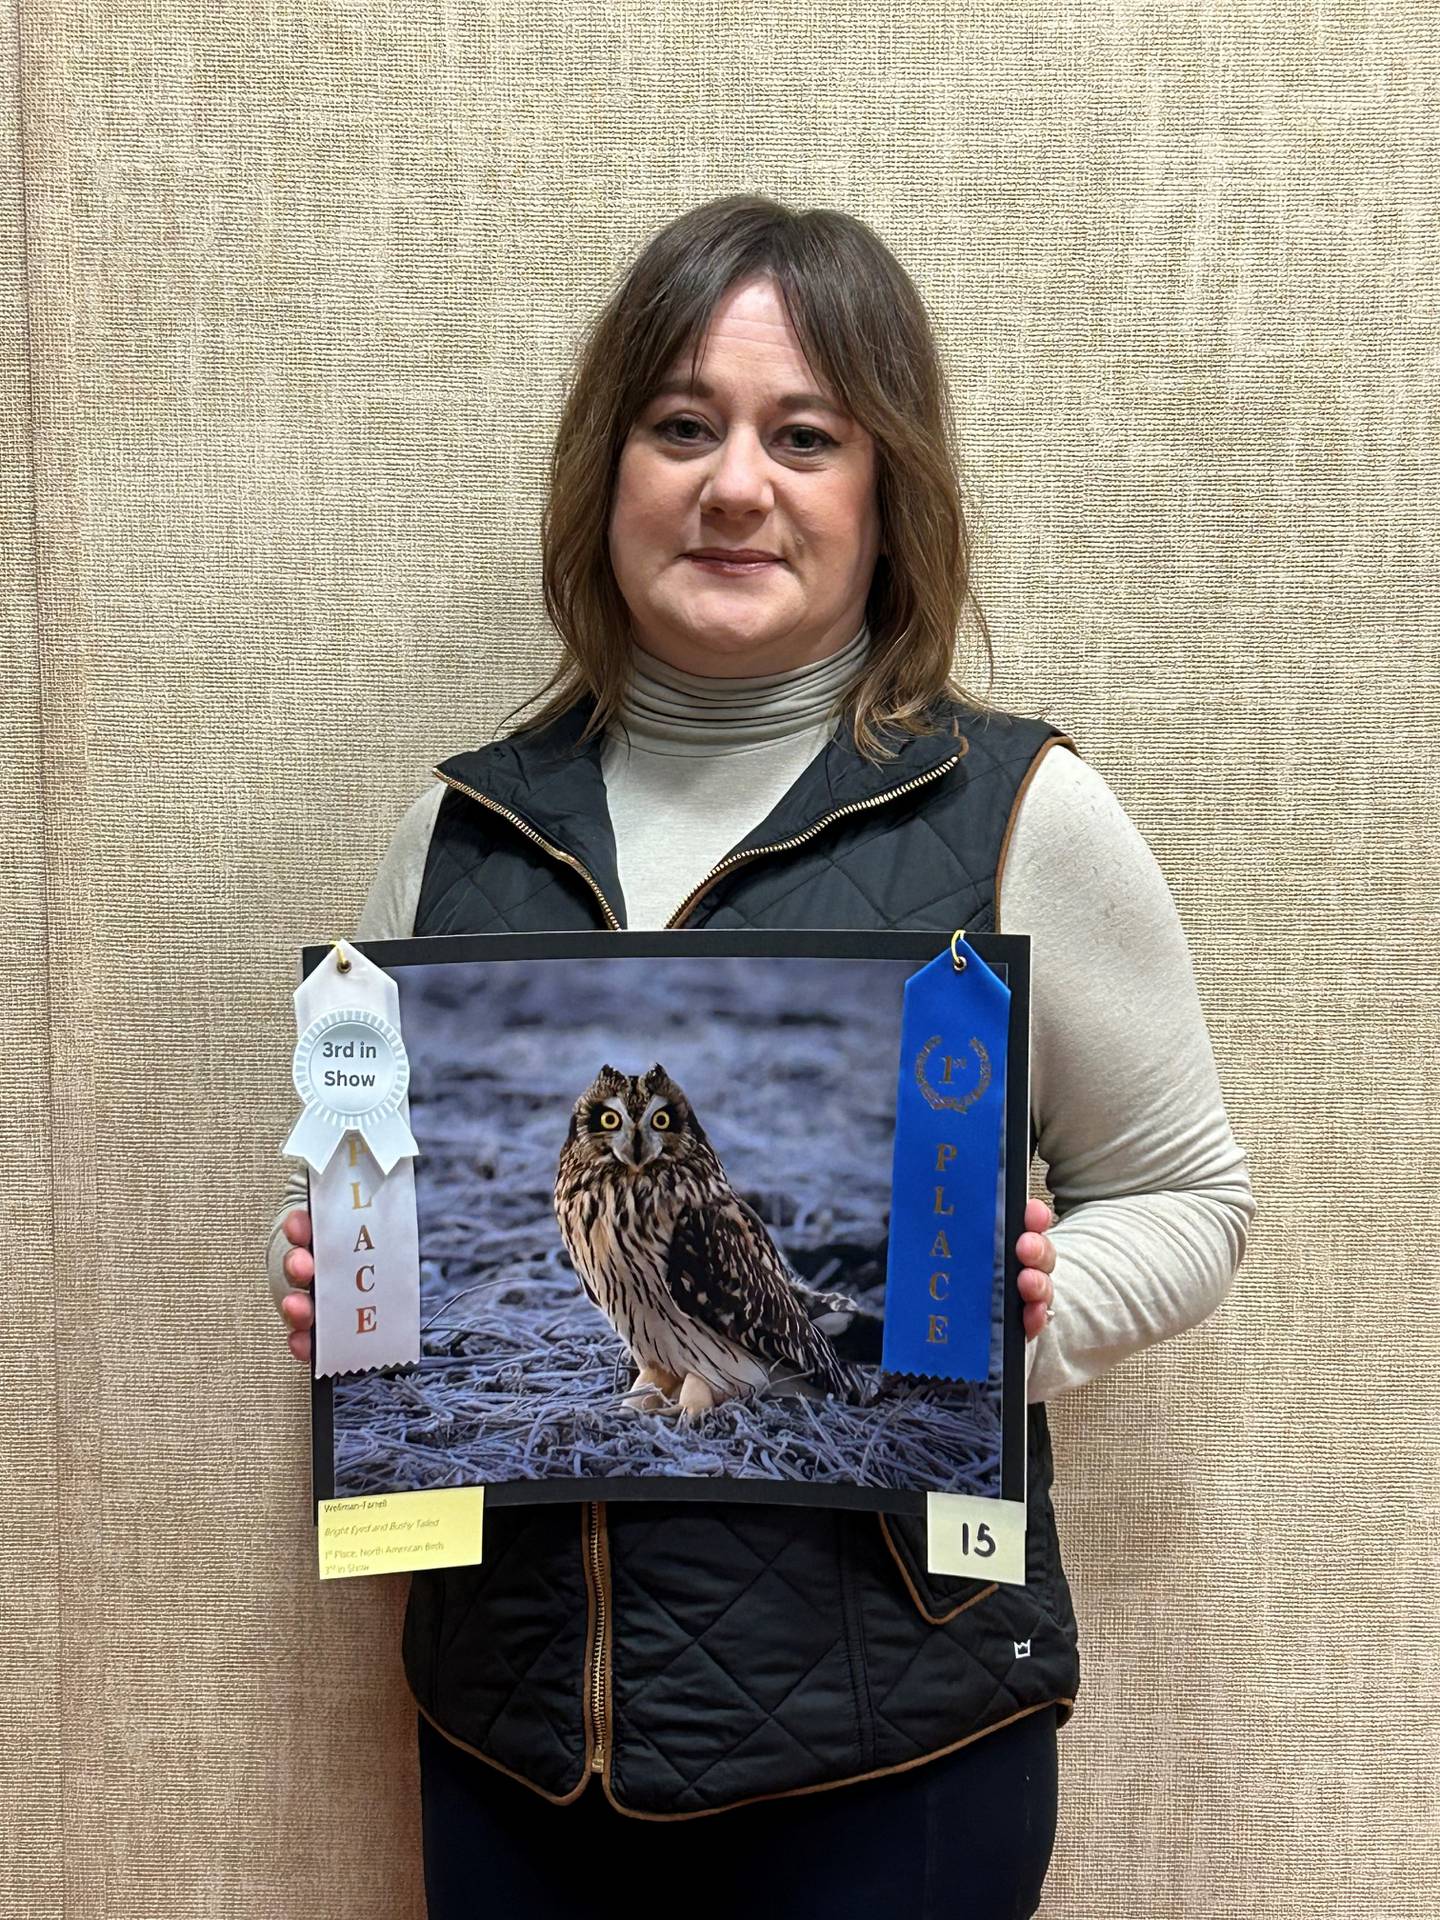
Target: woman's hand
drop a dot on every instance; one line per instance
(1037, 1253)
(299, 1266)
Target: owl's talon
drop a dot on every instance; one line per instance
(645, 1400)
(653, 1380)
(651, 1390)
(697, 1398)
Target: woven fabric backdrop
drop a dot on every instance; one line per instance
(290, 297)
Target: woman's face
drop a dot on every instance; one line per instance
(759, 456)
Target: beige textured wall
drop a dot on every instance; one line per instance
(289, 293)
(31, 1812)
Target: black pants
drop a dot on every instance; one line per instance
(965, 1837)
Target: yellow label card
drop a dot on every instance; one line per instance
(982, 1538)
(395, 1532)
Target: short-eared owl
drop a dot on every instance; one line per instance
(680, 1265)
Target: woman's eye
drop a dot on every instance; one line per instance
(823, 440)
(680, 420)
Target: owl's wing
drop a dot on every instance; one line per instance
(725, 1271)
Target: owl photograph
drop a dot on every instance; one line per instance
(653, 1195)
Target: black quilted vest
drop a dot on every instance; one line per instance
(694, 1657)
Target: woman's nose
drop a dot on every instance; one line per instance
(740, 476)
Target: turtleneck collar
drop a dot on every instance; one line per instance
(670, 712)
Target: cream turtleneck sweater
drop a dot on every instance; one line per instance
(697, 761)
(1152, 1188)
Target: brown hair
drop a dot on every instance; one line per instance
(864, 327)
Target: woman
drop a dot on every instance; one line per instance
(756, 555)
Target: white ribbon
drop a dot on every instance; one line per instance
(353, 1074)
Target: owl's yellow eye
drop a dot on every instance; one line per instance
(609, 1119)
(660, 1119)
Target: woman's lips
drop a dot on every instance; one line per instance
(730, 566)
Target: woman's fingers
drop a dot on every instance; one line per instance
(1035, 1285)
(1037, 1292)
(299, 1267)
(296, 1226)
(299, 1310)
(1038, 1253)
(1032, 1246)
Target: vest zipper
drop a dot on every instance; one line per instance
(783, 846)
(557, 853)
(599, 1705)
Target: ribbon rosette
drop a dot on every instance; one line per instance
(352, 1072)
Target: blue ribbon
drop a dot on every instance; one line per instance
(949, 1110)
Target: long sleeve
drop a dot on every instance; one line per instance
(388, 914)
(1152, 1189)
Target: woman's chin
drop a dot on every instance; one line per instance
(707, 645)
(739, 659)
